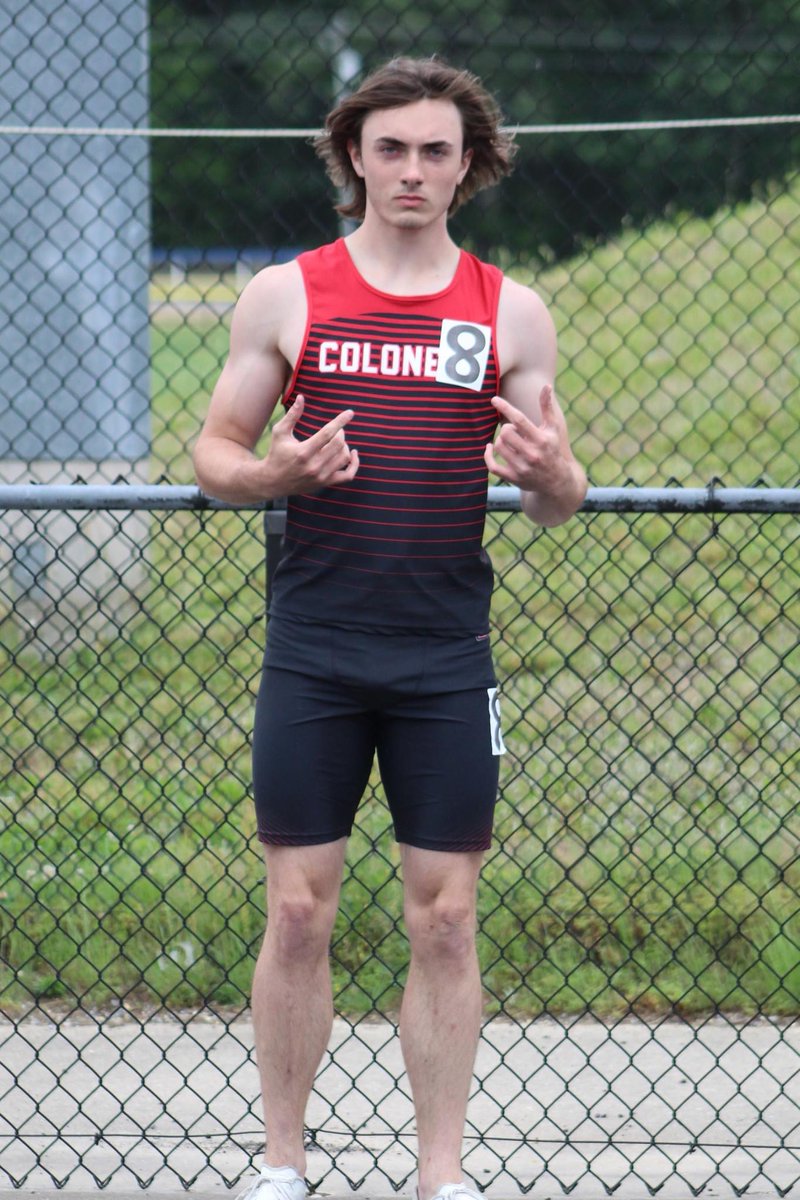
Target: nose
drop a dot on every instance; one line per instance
(412, 168)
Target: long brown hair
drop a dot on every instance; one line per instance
(404, 81)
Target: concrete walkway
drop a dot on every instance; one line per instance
(579, 1107)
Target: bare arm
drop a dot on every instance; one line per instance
(263, 336)
(532, 448)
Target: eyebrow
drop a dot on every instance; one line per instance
(441, 144)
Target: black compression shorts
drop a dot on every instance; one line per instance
(330, 699)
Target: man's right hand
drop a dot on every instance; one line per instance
(322, 460)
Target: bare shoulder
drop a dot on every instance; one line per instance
(521, 303)
(525, 329)
(271, 292)
(270, 313)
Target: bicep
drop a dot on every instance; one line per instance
(529, 351)
(255, 372)
(522, 387)
(245, 397)
(527, 347)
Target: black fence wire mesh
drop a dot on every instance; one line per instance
(640, 929)
(639, 913)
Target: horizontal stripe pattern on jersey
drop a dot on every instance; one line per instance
(399, 545)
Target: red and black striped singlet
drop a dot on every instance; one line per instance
(400, 545)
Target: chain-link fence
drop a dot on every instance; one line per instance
(640, 923)
(640, 930)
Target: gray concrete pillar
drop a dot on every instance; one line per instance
(74, 270)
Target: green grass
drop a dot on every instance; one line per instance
(647, 849)
(679, 350)
(648, 830)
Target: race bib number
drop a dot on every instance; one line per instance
(463, 354)
(495, 727)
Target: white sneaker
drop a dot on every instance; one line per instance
(456, 1191)
(275, 1183)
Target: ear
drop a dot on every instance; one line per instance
(354, 150)
(466, 159)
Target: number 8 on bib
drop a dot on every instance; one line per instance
(463, 354)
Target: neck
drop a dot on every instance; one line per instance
(404, 261)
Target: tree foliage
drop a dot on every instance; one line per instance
(242, 64)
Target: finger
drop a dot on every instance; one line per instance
(293, 413)
(286, 426)
(330, 456)
(511, 440)
(547, 405)
(495, 467)
(352, 467)
(327, 460)
(511, 413)
(329, 431)
(345, 472)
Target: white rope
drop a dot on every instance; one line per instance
(122, 132)
(635, 126)
(597, 127)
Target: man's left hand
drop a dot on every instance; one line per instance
(531, 455)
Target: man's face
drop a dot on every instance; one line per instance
(411, 160)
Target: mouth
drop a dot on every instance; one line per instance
(410, 200)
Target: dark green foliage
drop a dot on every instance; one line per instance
(245, 65)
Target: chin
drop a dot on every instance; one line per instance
(410, 220)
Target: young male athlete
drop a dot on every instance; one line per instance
(408, 371)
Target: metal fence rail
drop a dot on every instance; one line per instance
(134, 497)
(640, 927)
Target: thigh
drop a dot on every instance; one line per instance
(439, 765)
(313, 746)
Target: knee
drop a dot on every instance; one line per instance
(298, 928)
(442, 930)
